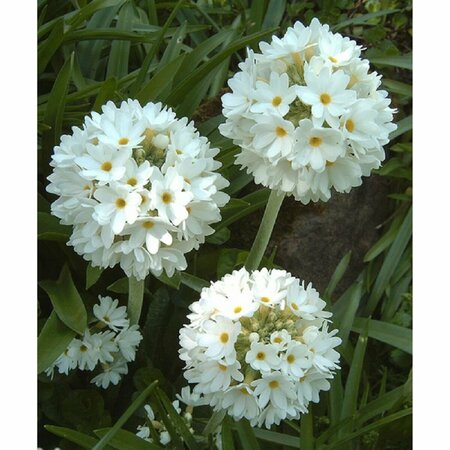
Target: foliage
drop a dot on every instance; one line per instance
(181, 53)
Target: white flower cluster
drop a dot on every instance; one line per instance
(158, 425)
(139, 187)
(258, 346)
(308, 113)
(112, 349)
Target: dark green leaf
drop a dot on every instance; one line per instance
(247, 436)
(92, 275)
(119, 286)
(67, 301)
(124, 440)
(49, 228)
(195, 283)
(399, 337)
(277, 438)
(48, 48)
(81, 439)
(227, 435)
(403, 126)
(402, 61)
(53, 340)
(337, 275)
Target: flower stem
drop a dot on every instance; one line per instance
(265, 230)
(135, 299)
(306, 431)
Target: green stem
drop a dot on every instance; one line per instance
(306, 431)
(135, 299)
(265, 230)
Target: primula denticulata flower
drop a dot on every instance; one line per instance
(258, 345)
(308, 114)
(139, 186)
(112, 350)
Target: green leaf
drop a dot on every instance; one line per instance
(48, 48)
(87, 11)
(346, 322)
(219, 237)
(399, 337)
(67, 301)
(353, 380)
(227, 435)
(119, 286)
(177, 421)
(49, 228)
(402, 61)
(214, 422)
(81, 439)
(306, 431)
(125, 416)
(159, 81)
(120, 50)
(92, 275)
(337, 275)
(276, 438)
(193, 282)
(404, 126)
(202, 71)
(105, 93)
(362, 19)
(390, 262)
(274, 13)
(56, 102)
(246, 434)
(124, 440)
(53, 340)
(397, 87)
(173, 281)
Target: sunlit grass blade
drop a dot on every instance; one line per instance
(124, 440)
(195, 283)
(363, 18)
(276, 438)
(404, 126)
(402, 61)
(337, 275)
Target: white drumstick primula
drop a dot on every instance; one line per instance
(253, 343)
(329, 134)
(110, 350)
(127, 168)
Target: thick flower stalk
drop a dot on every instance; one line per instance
(308, 114)
(139, 186)
(258, 346)
(111, 349)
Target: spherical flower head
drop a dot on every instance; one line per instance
(308, 114)
(265, 365)
(139, 186)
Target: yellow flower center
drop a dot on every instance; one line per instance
(237, 310)
(315, 141)
(325, 98)
(83, 348)
(260, 356)
(166, 197)
(121, 203)
(148, 224)
(290, 359)
(106, 166)
(123, 141)
(224, 337)
(332, 59)
(353, 80)
(277, 340)
(265, 299)
(274, 384)
(222, 367)
(244, 391)
(294, 306)
(280, 132)
(350, 125)
(276, 101)
(178, 151)
(132, 181)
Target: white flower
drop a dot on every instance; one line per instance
(262, 357)
(252, 364)
(130, 166)
(112, 373)
(108, 313)
(333, 127)
(274, 387)
(275, 96)
(219, 338)
(327, 95)
(128, 340)
(316, 146)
